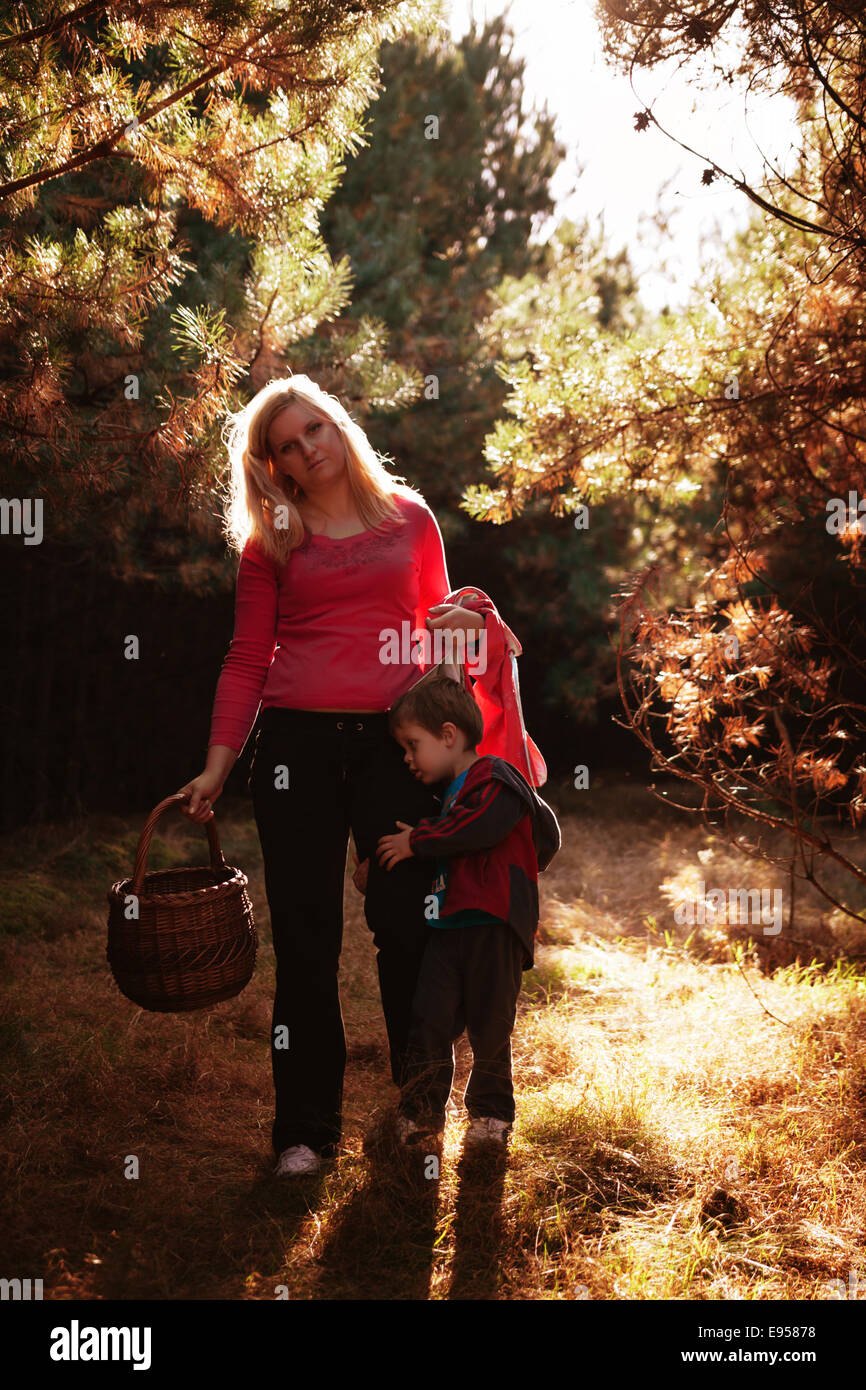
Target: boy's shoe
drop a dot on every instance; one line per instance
(484, 1128)
(407, 1129)
(297, 1159)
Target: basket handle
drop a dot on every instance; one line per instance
(217, 858)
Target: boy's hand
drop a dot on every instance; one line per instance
(392, 848)
(359, 877)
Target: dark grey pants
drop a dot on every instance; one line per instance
(345, 772)
(470, 978)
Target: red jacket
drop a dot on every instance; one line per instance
(496, 690)
(498, 834)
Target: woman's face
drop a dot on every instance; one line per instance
(305, 448)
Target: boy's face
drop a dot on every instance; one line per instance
(430, 757)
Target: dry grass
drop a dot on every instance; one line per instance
(673, 1140)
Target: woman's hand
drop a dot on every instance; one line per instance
(452, 618)
(392, 848)
(450, 615)
(202, 792)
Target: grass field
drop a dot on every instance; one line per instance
(691, 1110)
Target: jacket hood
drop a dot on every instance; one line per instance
(546, 834)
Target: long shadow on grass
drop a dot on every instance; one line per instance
(210, 1253)
(478, 1227)
(379, 1243)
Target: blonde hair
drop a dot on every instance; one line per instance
(256, 488)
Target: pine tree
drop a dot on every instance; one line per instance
(162, 169)
(432, 213)
(745, 410)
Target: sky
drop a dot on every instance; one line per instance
(615, 175)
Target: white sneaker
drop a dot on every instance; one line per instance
(406, 1128)
(298, 1159)
(483, 1128)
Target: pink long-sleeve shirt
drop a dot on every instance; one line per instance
(313, 633)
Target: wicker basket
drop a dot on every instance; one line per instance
(194, 941)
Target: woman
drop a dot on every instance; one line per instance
(336, 558)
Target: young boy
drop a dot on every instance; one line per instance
(493, 835)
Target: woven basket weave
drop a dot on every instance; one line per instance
(194, 940)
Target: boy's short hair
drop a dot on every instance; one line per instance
(436, 702)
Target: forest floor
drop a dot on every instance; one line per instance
(691, 1102)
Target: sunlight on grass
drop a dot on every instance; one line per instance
(688, 1126)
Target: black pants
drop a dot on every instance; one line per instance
(343, 771)
(470, 978)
